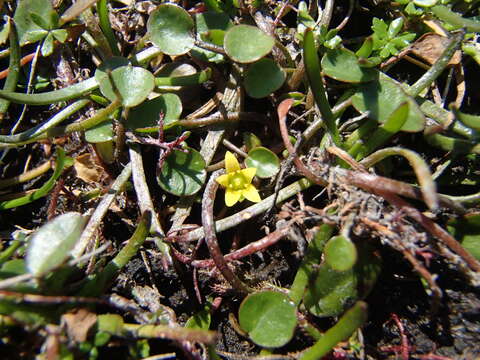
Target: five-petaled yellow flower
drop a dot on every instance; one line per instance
(238, 182)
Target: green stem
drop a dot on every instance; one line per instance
(447, 15)
(13, 67)
(312, 67)
(102, 280)
(41, 128)
(26, 176)
(457, 146)
(49, 97)
(186, 80)
(106, 26)
(342, 330)
(419, 166)
(8, 252)
(42, 191)
(436, 69)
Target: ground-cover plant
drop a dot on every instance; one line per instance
(361, 178)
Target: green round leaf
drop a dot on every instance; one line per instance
(331, 292)
(263, 78)
(342, 65)
(170, 28)
(266, 162)
(133, 83)
(100, 133)
(381, 98)
(24, 23)
(183, 173)
(340, 253)
(269, 318)
(50, 245)
(246, 43)
(146, 115)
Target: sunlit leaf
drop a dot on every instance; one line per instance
(50, 245)
(170, 28)
(246, 43)
(269, 318)
(263, 78)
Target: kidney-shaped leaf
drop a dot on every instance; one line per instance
(183, 173)
(133, 83)
(170, 28)
(266, 162)
(382, 97)
(26, 27)
(340, 253)
(246, 43)
(269, 318)
(263, 78)
(50, 245)
(146, 115)
(342, 65)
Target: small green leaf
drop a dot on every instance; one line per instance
(251, 140)
(472, 121)
(170, 28)
(24, 22)
(110, 323)
(35, 35)
(47, 46)
(200, 320)
(269, 318)
(382, 97)
(133, 83)
(266, 162)
(146, 115)
(263, 78)
(100, 133)
(183, 173)
(366, 48)
(343, 65)
(50, 245)
(60, 34)
(340, 253)
(246, 43)
(395, 27)
(40, 21)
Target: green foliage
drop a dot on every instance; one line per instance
(269, 318)
(242, 51)
(266, 162)
(183, 172)
(263, 78)
(50, 245)
(388, 39)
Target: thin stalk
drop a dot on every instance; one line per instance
(447, 15)
(211, 237)
(42, 128)
(420, 167)
(13, 67)
(26, 176)
(49, 97)
(42, 191)
(434, 72)
(312, 67)
(101, 210)
(342, 330)
(106, 26)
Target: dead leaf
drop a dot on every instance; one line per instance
(78, 323)
(429, 47)
(87, 169)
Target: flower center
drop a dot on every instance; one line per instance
(237, 181)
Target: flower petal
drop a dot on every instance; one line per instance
(251, 193)
(232, 196)
(231, 163)
(223, 180)
(248, 173)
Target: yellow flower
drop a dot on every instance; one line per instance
(238, 182)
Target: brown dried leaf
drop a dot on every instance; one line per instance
(429, 47)
(87, 169)
(78, 323)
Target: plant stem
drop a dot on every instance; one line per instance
(211, 236)
(13, 67)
